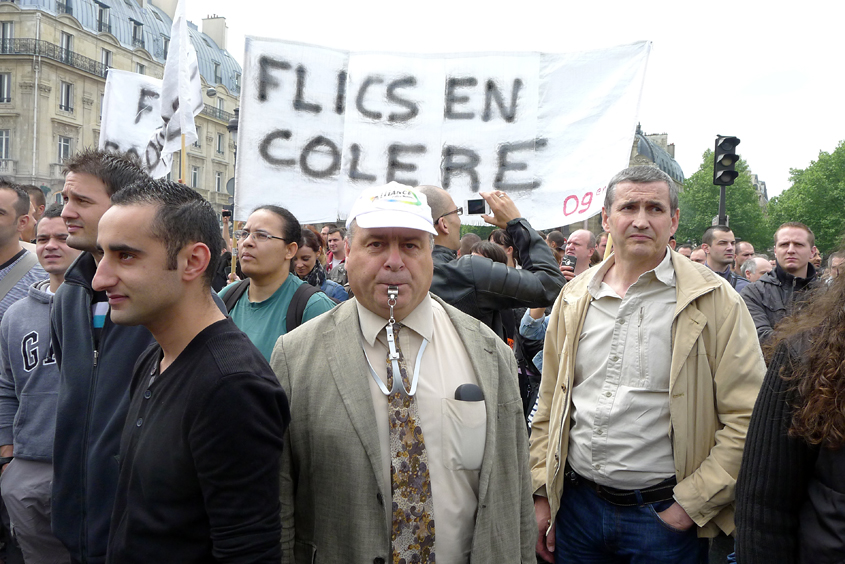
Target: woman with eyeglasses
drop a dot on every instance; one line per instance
(306, 266)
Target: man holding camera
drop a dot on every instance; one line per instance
(581, 245)
(478, 286)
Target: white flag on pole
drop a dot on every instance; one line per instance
(181, 95)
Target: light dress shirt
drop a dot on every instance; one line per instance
(454, 431)
(620, 426)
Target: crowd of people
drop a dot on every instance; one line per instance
(387, 390)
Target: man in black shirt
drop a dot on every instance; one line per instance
(199, 454)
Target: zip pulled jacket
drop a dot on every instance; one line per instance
(93, 400)
(771, 298)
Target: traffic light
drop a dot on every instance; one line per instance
(725, 159)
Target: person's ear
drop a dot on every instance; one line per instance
(196, 258)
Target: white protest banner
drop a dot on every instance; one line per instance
(131, 112)
(181, 95)
(318, 125)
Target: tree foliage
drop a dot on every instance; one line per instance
(816, 199)
(699, 203)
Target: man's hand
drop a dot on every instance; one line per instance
(675, 517)
(545, 543)
(503, 208)
(568, 272)
(6, 451)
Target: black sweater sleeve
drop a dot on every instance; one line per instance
(776, 469)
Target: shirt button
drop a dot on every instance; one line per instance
(598, 431)
(148, 394)
(139, 422)
(614, 358)
(597, 467)
(621, 321)
(608, 394)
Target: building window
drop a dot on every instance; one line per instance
(195, 176)
(5, 87)
(218, 181)
(140, 69)
(66, 101)
(221, 143)
(221, 104)
(198, 142)
(137, 34)
(64, 148)
(238, 80)
(217, 78)
(105, 58)
(67, 42)
(6, 37)
(166, 42)
(4, 144)
(103, 18)
(102, 98)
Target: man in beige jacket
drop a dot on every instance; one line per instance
(634, 457)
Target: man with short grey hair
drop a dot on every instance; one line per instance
(650, 373)
(755, 267)
(835, 264)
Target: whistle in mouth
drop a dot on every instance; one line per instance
(393, 292)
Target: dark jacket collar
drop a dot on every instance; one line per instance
(784, 278)
(82, 270)
(443, 254)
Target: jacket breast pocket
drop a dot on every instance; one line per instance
(463, 433)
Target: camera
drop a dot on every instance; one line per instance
(568, 260)
(477, 207)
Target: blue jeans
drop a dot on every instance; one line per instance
(590, 530)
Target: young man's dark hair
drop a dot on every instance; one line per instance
(557, 238)
(52, 211)
(115, 170)
(22, 203)
(183, 217)
(708, 236)
(340, 230)
(32, 190)
(293, 230)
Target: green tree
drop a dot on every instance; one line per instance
(482, 231)
(816, 199)
(699, 202)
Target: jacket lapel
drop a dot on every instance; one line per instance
(348, 366)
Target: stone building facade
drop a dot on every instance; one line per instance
(54, 59)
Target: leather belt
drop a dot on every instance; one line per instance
(625, 498)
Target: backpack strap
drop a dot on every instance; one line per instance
(24, 265)
(296, 309)
(233, 295)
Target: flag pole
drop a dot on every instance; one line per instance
(182, 161)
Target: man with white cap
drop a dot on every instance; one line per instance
(407, 438)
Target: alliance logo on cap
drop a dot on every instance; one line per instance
(396, 196)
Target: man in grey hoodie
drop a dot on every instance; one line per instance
(29, 383)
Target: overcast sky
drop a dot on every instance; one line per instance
(767, 72)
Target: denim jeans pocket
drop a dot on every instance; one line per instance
(655, 508)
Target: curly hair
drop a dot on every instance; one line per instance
(817, 378)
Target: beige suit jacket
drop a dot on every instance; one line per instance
(333, 493)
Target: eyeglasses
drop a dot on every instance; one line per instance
(258, 236)
(458, 211)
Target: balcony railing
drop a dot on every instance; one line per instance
(216, 113)
(138, 42)
(65, 108)
(64, 8)
(52, 51)
(7, 166)
(103, 26)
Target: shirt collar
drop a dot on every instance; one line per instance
(664, 272)
(420, 320)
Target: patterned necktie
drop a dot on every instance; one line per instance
(413, 509)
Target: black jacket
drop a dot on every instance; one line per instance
(771, 298)
(789, 494)
(93, 399)
(482, 288)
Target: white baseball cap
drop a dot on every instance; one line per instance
(392, 205)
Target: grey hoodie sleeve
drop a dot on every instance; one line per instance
(8, 397)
